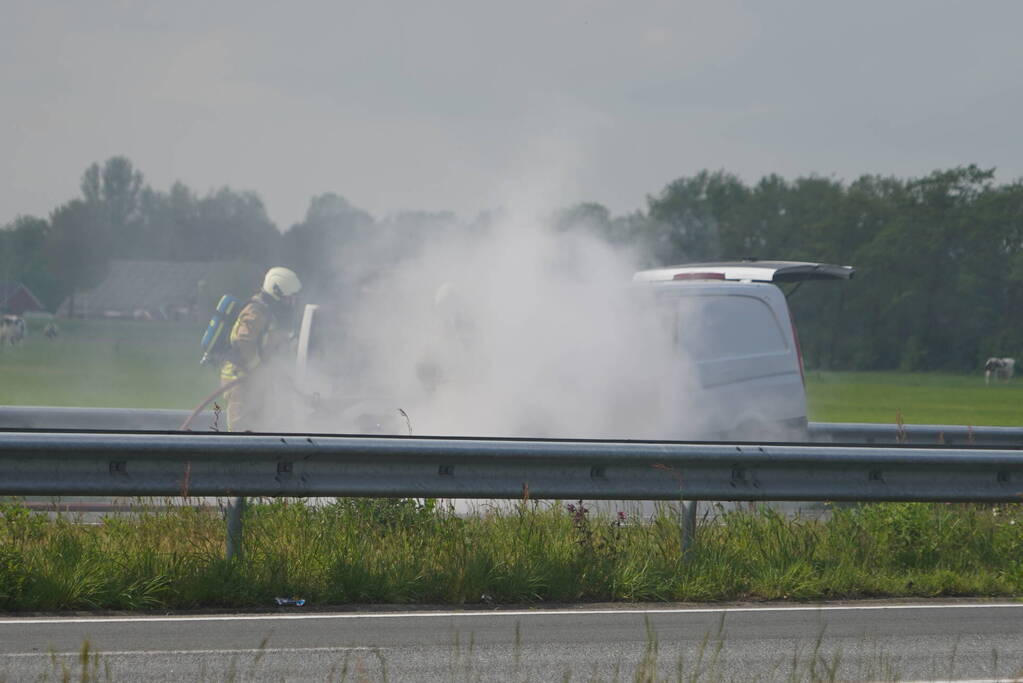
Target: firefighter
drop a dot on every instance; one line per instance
(260, 334)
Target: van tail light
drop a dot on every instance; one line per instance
(799, 349)
(699, 276)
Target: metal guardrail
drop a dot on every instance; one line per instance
(46, 417)
(869, 433)
(219, 464)
(205, 463)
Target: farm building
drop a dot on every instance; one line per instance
(18, 299)
(146, 290)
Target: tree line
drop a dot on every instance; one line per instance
(939, 258)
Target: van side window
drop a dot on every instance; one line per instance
(714, 327)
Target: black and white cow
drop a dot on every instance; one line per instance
(12, 330)
(1001, 368)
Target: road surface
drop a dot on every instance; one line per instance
(853, 641)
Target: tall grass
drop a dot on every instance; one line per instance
(403, 552)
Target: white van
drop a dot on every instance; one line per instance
(734, 324)
(728, 321)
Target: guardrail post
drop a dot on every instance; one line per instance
(688, 515)
(235, 509)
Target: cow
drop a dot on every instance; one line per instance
(51, 331)
(1001, 368)
(12, 330)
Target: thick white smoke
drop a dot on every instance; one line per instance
(515, 329)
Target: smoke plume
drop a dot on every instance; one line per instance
(508, 327)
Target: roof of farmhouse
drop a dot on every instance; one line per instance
(15, 297)
(142, 285)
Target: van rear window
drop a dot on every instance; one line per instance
(712, 327)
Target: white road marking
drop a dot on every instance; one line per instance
(244, 651)
(24, 621)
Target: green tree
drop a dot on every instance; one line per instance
(76, 249)
(927, 319)
(234, 226)
(113, 192)
(690, 216)
(23, 257)
(332, 244)
(588, 216)
(170, 226)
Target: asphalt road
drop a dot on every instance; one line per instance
(856, 641)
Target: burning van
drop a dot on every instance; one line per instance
(705, 351)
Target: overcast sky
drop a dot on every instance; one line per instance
(453, 105)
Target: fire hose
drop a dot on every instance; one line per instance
(186, 425)
(313, 400)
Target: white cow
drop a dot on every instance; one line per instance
(12, 330)
(1001, 368)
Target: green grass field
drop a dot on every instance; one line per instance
(119, 364)
(129, 364)
(922, 398)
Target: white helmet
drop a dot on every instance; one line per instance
(281, 282)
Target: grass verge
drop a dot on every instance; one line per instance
(403, 552)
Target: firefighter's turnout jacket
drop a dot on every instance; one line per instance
(258, 336)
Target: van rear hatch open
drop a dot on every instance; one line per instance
(748, 271)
